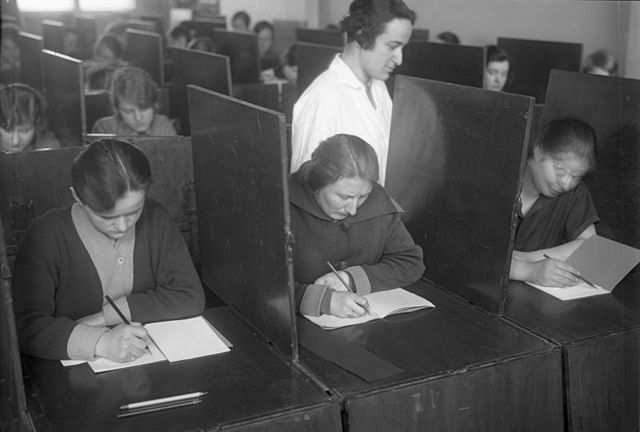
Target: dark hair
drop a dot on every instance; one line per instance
(180, 31)
(106, 170)
(367, 19)
(134, 85)
(110, 41)
(242, 15)
(337, 157)
(448, 37)
(496, 54)
(21, 104)
(202, 43)
(567, 135)
(261, 25)
(600, 59)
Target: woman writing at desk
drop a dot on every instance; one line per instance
(112, 241)
(340, 214)
(557, 213)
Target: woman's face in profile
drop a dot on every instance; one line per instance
(342, 198)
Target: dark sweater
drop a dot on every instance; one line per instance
(373, 246)
(56, 283)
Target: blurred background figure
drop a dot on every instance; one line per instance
(600, 62)
(447, 37)
(108, 49)
(9, 54)
(241, 22)
(202, 43)
(496, 70)
(179, 37)
(269, 58)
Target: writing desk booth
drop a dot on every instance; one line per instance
(600, 335)
(313, 59)
(30, 63)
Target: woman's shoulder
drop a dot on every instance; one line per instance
(47, 140)
(107, 124)
(51, 224)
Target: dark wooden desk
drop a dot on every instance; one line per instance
(600, 338)
(250, 389)
(464, 369)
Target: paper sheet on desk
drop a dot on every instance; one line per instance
(102, 364)
(580, 290)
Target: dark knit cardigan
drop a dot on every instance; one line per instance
(56, 283)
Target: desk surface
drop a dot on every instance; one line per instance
(251, 384)
(452, 337)
(573, 320)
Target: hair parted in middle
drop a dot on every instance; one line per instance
(134, 85)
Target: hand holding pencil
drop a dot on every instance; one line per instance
(344, 301)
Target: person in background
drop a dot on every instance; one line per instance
(557, 212)
(447, 37)
(351, 96)
(9, 54)
(23, 120)
(134, 96)
(289, 69)
(269, 58)
(340, 214)
(179, 37)
(114, 241)
(496, 69)
(241, 22)
(202, 43)
(108, 49)
(99, 75)
(600, 62)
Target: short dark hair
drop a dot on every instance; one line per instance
(337, 157)
(22, 104)
(134, 85)
(180, 31)
(112, 42)
(568, 135)
(367, 19)
(448, 37)
(600, 59)
(261, 25)
(242, 15)
(496, 54)
(202, 43)
(106, 170)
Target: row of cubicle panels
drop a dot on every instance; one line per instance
(493, 354)
(235, 71)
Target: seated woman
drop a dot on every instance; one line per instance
(340, 214)
(23, 120)
(112, 241)
(557, 213)
(108, 49)
(269, 58)
(134, 96)
(600, 62)
(496, 69)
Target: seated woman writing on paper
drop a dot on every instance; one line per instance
(341, 215)
(114, 241)
(557, 213)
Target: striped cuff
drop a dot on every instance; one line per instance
(313, 299)
(360, 279)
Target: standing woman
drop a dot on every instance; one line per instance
(114, 241)
(557, 212)
(340, 214)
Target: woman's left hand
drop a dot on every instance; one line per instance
(332, 281)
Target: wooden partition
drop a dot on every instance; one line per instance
(30, 60)
(207, 70)
(86, 27)
(63, 84)
(240, 169)
(320, 37)
(97, 105)
(53, 35)
(285, 33)
(312, 61)
(419, 34)
(242, 50)
(144, 50)
(533, 60)
(600, 335)
(457, 64)
(455, 162)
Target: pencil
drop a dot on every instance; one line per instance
(125, 320)
(582, 278)
(335, 272)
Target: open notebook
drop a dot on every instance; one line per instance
(177, 340)
(381, 304)
(601, 261)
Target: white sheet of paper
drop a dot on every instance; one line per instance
(103, 365)
(580, 290)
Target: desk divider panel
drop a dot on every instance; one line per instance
(285, 33)
(312, 61)
(144, 50)
(333, 38)
(63, 84)
(419, 34)
(242, 50)
(207, 70)
(240, 171)
(532, 61)
(612, 106)
(455, 165)
(53, 35)
(457, 64)
(30, 61)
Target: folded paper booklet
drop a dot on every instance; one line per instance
(177, 340)
(601, 261)
(381, 304)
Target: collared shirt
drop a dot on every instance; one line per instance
(554, 221)
(337, 102)
(160, 126)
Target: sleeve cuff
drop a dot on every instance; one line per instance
(360, 279)
(82, 341)
(313, 299)
(111, 317)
